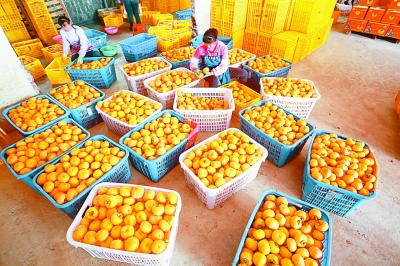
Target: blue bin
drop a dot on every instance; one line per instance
(100, 78)
(255, 76)
(184, 63)
(278, 153)
(27, 133)
(330, 198)
(138, 47)
(195, 42)
(85, 115)
(120, 173)
(184, 14)
(300, 205)
(97, 38)
(27, 178)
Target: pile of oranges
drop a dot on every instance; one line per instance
(284, 235)
(344, 163)
(274, 122)
(34, 151)
(179, 54)
(172, 80)
(34, 113)
(144, 67)
(219, 161)
(236, 56)
(158, 136)
(267, 64)
(79, 169)
(187, 101)
(239, 93)
(75, 94)
(129, 219)
(289, 87)
(95, 64)
(128, 107)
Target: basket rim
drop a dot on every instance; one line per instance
(135, 78)
(147, 36)
(253, 56)
(338, 189)
(85, 59)
(183, 156)
(269, 73)
(283, 97)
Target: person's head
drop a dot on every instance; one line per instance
(210, 38)
(65, 23)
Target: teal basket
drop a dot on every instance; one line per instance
(255, 76)
(158, 168)
(97, 38)
(184, 14)
(300, 205)
(100, 78)
(278, 153)
(28, 133)
(195, 42)
(330, 198)
(184, 63)
(109, 50)
(120, 173)
(27, 178)
(138, 47)
(85, 115)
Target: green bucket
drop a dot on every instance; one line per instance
(109, 50)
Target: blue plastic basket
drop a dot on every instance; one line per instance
(158, 168)
(139, 47)
(330, 198)
(255, 76)
(184, 14)
(85, 115)
(97, 38)
(100, 78)
(119, 173)
(327, 242)
(27, 178)
(278, 153)
(184, 63)
(195, 42)
(27, 133)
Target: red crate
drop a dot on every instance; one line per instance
(394, 32)
(358, 12)
(377, 28)
(367, 2)
(391, 17)
(375, 14)
(393, 4)
(356, 24)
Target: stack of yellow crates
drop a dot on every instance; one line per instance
(185, 4)
(11, 22)
(41, 19)
(166, 6)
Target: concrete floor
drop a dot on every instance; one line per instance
(357, 77)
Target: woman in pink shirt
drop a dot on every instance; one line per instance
(213, 53)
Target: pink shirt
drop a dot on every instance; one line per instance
(219, 50)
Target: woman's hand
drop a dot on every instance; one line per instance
(80, 60)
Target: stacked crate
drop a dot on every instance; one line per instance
(149, 4)
(216, 14)
(41, 19)
(11, 22)
(185, 4)
(173, 6)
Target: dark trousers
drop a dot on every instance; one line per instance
(93, 53)
(132, 9)
(238, 74)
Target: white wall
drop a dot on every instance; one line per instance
(202, 15)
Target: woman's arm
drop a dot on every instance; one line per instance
(65, 43)
(223, 66)
(194, 61)
(83, 40)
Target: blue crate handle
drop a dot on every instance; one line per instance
(283, 72)
(326, 259)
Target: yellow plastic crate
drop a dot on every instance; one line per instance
(165, 43)
(115, 20)
(43, 21)
(289, 15)
(147, 16)
(237, 38)
(32, 48)
(56, 73)
(274, 16)
(154, 30)
(327, 30)
(185, 4)
(184, 35)
(317, 38)
(284, 44)
(263, 44)
(144, 8)
(327, 11)
(233, 18)
(47, 34)
(52, 51)
(305, 15)
(254, 14)
(9, 12)
(250, 40)
(304, 40)
(183, 24)
(256, 97)
(161, 6)
(165, 24)
(16, 31)
(216, 13)
(34, 67)
(160, 17)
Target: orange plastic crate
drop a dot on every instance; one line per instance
(273, 16)
(216, 13)
(377, 28)
(183, 24)
(56, 73)
(391, 17)
(250, 40)
(263, 44)
(147, 16)
(52, 51)
(165, 24)
(32, 48)
(165, 43)
(356, 24)
(35, 67)
(284, 44)
(237, 38)
(185, 4)
(159, 17)
(305, 15)
(16, 31)
(254, 13)
(115, 20)
(358, 12)
(233, 18)
(9, 12)
(184, 35)
(375, 14)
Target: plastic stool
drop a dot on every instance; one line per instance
(139, 28)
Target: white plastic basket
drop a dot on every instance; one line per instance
(167, 99)
(301, 107)
(209, 120)
(135, 84)
(118, 127)
(213, 197)
(239, 65)
(163, 259)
